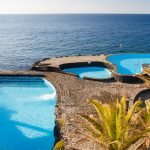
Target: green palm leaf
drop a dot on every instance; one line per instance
(113, 128)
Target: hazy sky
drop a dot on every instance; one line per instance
(74, 6)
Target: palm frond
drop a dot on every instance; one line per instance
(95, 123)
(104, 114)
(91, 139)
(147, 71)
(120, 121)
(113, 127)
(146, 79)
(134, 108)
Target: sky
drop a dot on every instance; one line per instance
(74, 6)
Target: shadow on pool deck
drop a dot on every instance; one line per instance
(12, 138)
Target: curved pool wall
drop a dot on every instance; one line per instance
(27, 117)
(143, 96)
(129, 64)
(88, 70)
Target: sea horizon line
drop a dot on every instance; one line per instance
(74, 13)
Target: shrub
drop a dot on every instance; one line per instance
(113, 127)
(59, 145)
(146, 77)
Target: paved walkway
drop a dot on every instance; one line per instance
(73, 94)
(55, 62)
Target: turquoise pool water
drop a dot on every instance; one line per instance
(129, 63)
(26, 113)
(91, 72)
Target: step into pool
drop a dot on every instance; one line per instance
(27, 113)
(129, 63)
(90, 72)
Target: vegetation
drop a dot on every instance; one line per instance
(115, 128)
(144, 123)
(60, 122)
(146, 77)
(59, 145)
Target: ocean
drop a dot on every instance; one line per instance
(25, 39)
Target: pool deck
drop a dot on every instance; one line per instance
(56, 62)
(21, 73)
(73, 94)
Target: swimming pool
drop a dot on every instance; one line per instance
(129, 63)
(27, 117)
(90, 72)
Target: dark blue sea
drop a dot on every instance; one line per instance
(25, 39)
